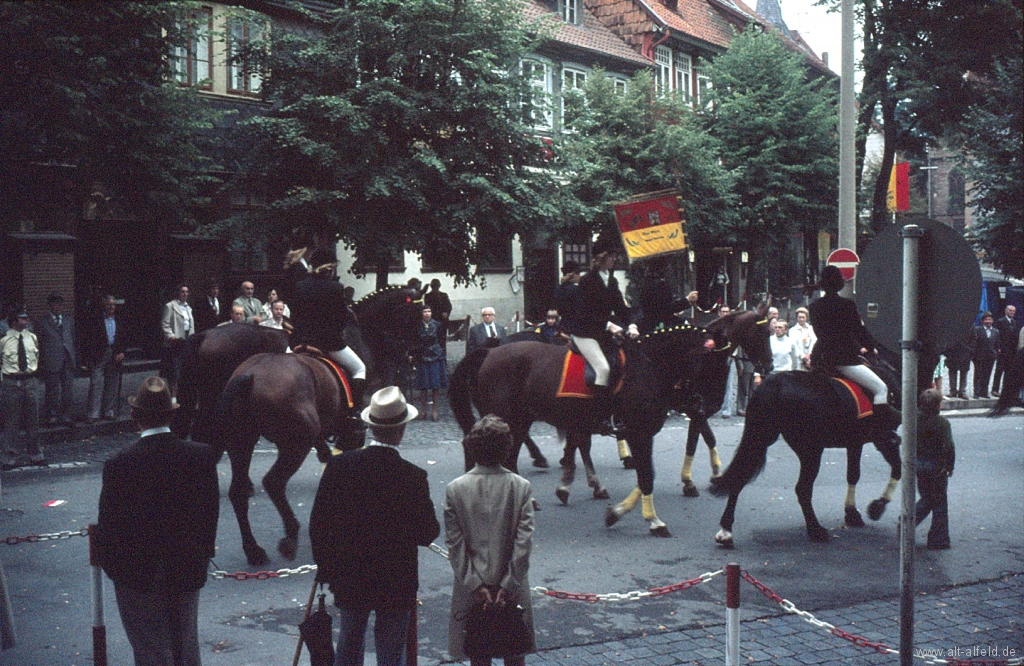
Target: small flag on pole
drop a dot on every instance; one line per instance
(898, 197)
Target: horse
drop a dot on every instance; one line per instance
(387, 320)
(812, 412)
(519, 383)
(296, 402)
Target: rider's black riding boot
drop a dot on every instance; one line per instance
(357, 386)
(602, 411)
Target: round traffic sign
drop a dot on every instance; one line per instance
(845, 260)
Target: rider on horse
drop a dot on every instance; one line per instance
(320, 314)
(841, 337)
(591, 325)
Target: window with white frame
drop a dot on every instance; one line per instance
(663, 69)
(192, 62)
(242, 78)
(620, 85)
(573, 100)
(684, 74)
(537, 102)
(570, 10)
(703, 84)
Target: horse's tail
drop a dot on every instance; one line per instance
(460, 389)
(760, 430)
(220, 432)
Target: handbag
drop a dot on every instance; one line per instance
(496, 631)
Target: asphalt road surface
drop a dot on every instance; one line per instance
(255, 622)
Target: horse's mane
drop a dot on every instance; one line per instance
(375, 298)
(670, 341)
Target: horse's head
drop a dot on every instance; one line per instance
(394, 310)
(750, 331)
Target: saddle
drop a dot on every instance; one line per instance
(336, 370)
(578, 375)
(864, 408)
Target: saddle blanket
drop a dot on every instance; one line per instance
(864, 406)
(342, 378)
(575, 371)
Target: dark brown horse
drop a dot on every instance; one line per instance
(519, 383)
(296, 402)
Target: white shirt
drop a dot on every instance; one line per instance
(785, 355)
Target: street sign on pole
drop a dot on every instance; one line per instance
(846, 261)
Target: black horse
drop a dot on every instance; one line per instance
(519, 383)
(812, 412)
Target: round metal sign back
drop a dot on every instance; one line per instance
(846, 260)
(949, 286)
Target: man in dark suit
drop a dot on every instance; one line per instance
(156, 531)
(103, 351)
(986, 349)
(209, 311)
(371, 512)
(56, 333)
(1008, 331)
(485, 334)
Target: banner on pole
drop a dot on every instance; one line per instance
(897, 199)
(651, 225)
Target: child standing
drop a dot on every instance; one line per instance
(935, 458)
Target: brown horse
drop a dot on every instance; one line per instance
(293, 400)
(519, 383)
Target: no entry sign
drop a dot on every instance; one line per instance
(845, 260)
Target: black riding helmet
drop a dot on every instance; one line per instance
(831, 280)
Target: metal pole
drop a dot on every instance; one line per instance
(99, 628)
(847, 148)
(732, 614)
(911, 244)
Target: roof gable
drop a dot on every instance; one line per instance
(591, 36)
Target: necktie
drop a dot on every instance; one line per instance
(490, 330)
(216, 307)
(22, 355)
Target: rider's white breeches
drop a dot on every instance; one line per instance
(348, 359)
(591, 351)
(864, 376)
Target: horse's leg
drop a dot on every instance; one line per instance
(810, 463)
(890, 450)
(724, 536)
(240, 455)
(686, 475)
(588, 466)
(520, 432)
(642, 447)
(852, 515)
(538, 458)
(709, 439)
(624, 455)
(568, 462)
(290, 456)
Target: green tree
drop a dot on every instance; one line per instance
(992, 157)
(777, 128)
(90, 86)
(396, 125)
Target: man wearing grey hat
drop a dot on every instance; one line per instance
(371, 512)
(156, 531)
(19, 392)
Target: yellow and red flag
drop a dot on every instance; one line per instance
(898, 197)
(650, 225)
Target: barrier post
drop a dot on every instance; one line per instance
(732, 614)
(99, 628)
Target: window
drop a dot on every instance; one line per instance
(578, 252)
(495, 250)
(241, 77)
(192, 62)
(537, 104)
(703, 85)
(683, 76)
(621, 86)
(570, 11)
(572, 96)
(396, 263)
(663, 69)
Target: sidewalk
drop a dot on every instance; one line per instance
(976, 621)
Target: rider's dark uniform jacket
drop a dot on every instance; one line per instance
(841, 334)
(319, 314)
(594, 305)
(656, 304)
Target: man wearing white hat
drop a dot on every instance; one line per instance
(371, 512)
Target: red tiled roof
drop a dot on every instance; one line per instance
(591, 36)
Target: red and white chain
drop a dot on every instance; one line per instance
(628, 596)
(263, 575)
(34, 538)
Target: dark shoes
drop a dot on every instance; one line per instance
(938, 545)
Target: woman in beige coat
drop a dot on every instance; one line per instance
(488, 522)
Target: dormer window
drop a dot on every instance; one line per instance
(571, 11)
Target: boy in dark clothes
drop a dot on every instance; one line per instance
(935, 458)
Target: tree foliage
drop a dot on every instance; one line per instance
(91, 86)
(992, 156)
(777, 129)
(396, 125)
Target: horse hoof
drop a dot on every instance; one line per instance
(563, 495)
(601, 494)
(611, 516)
(536, 504)
(287, 547)
(818, 534)
(690, 489)
(541, 462)
(257, 557)
(853, 518)
(724, 539)
(877, 508)
(661, 531)
(628, 463)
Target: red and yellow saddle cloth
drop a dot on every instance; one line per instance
(863, 402)
(342, 378)
(574, 384)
